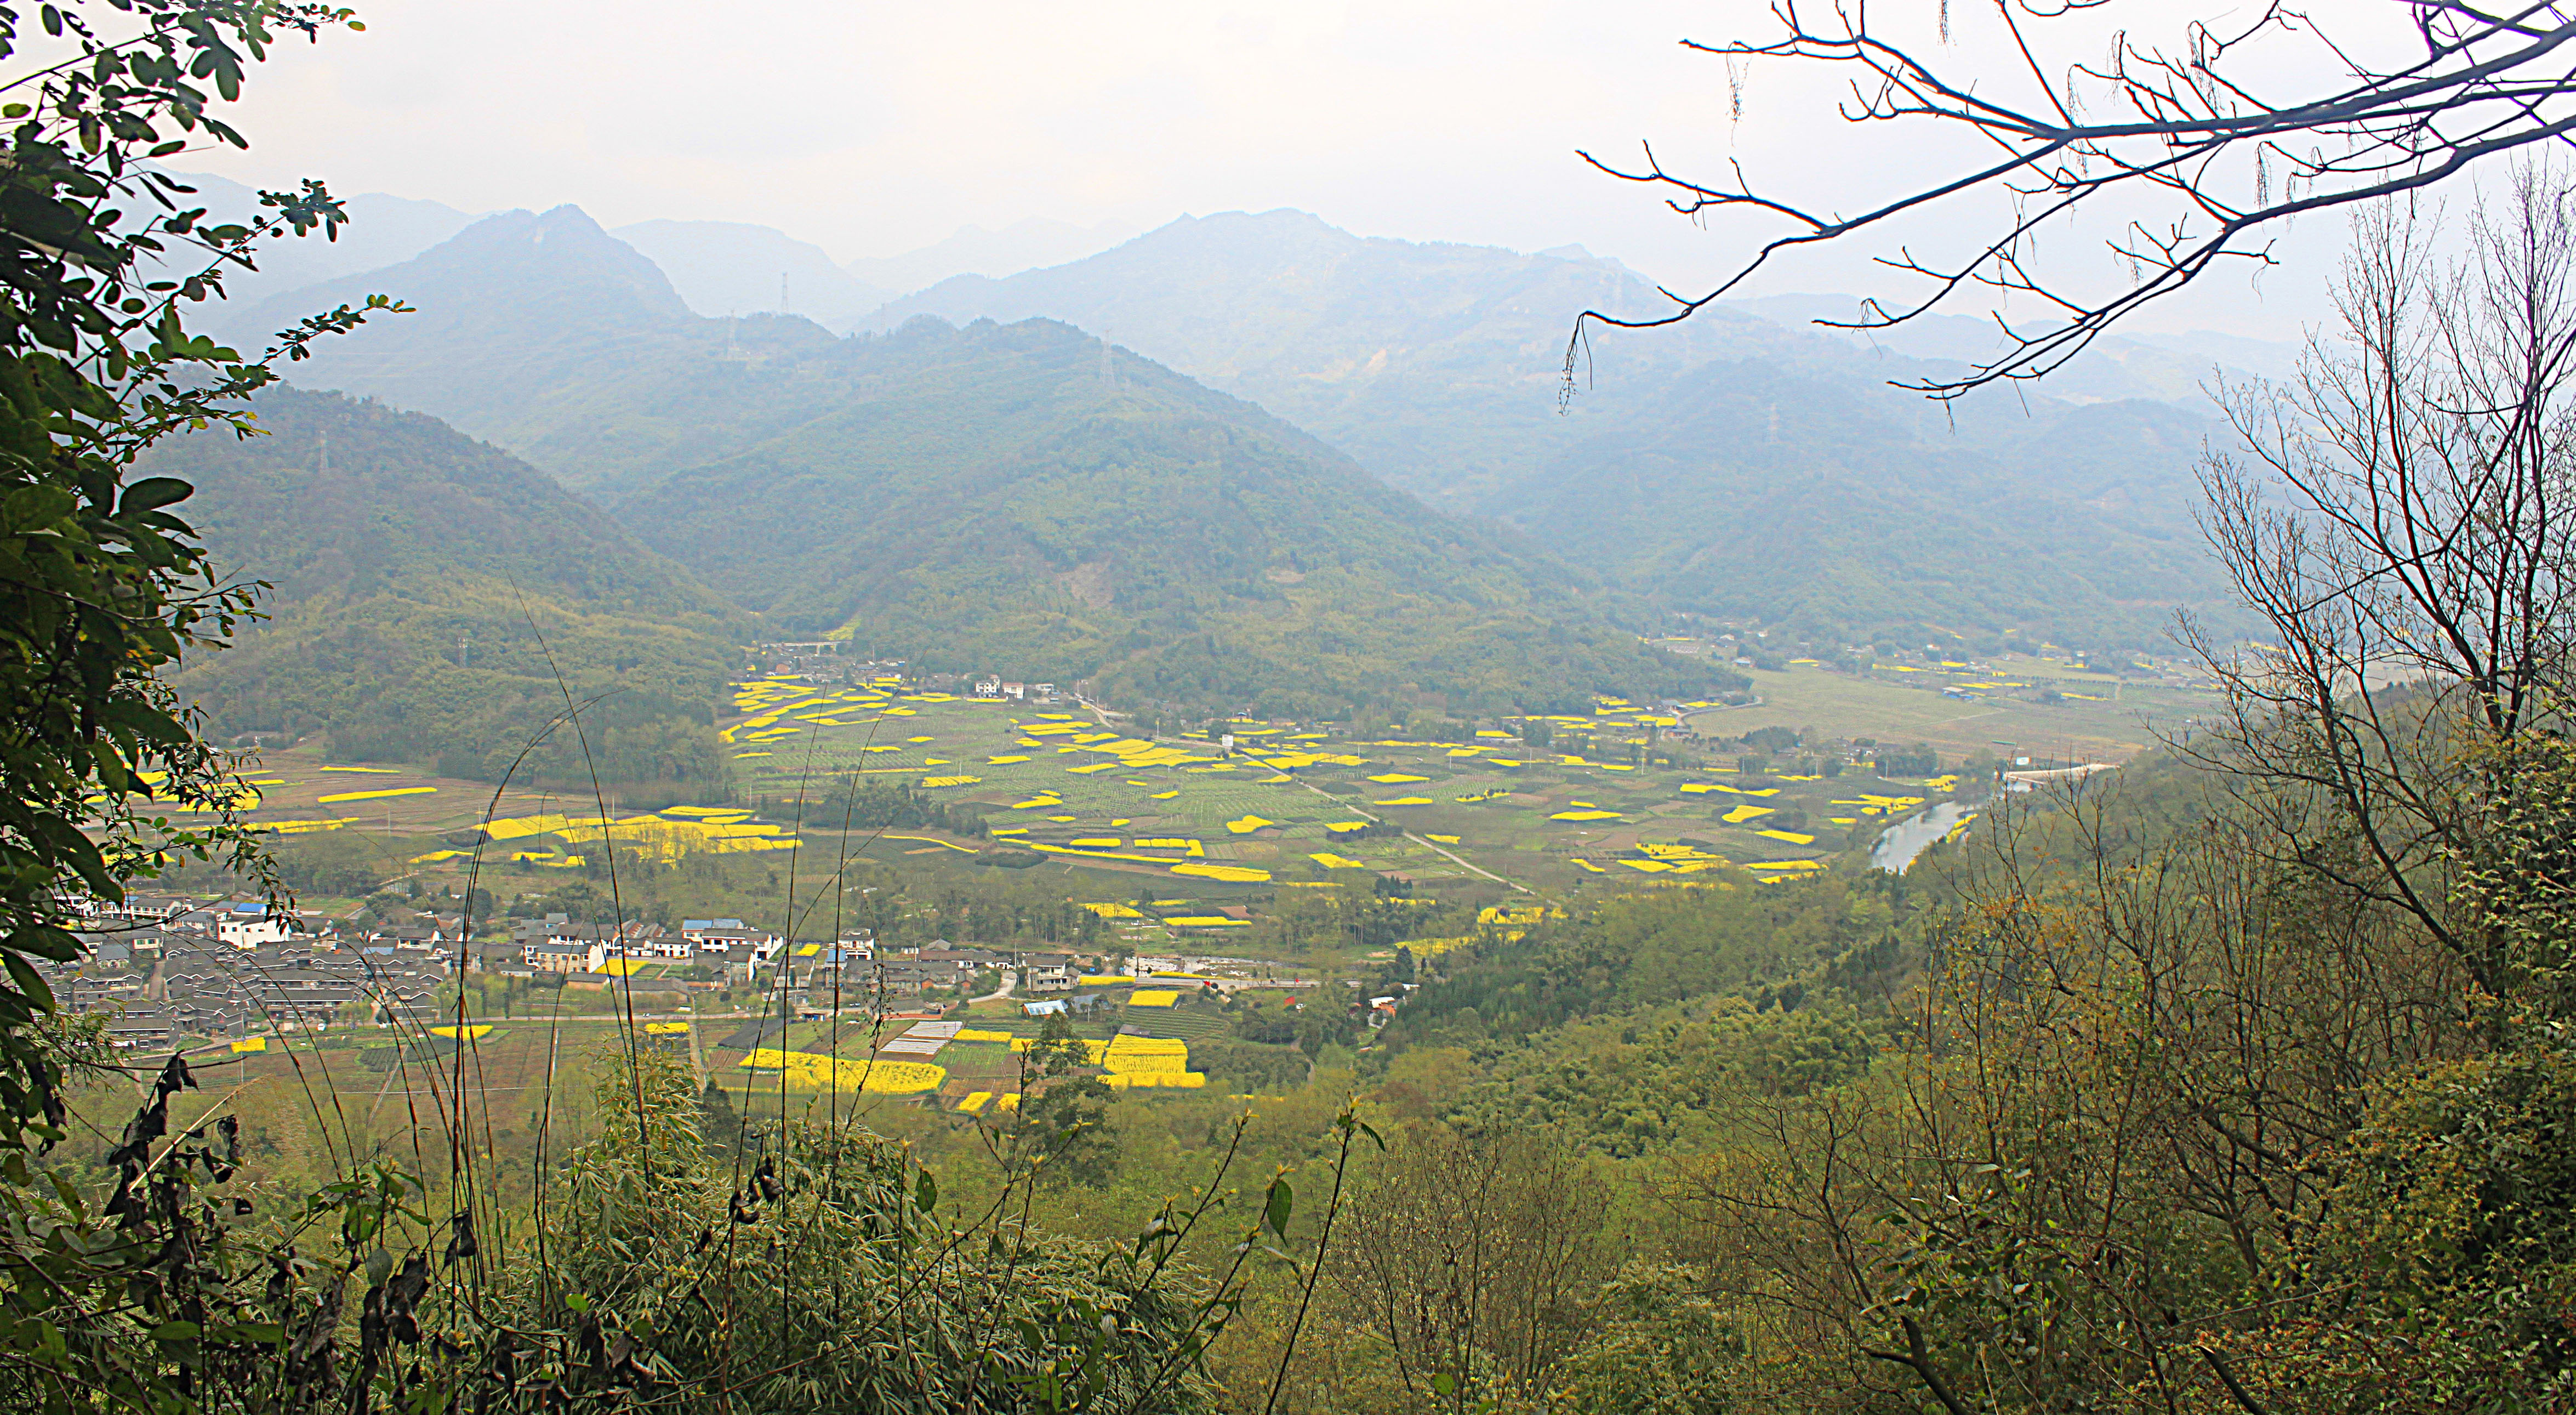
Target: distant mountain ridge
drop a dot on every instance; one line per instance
(1442, 367)
(1436, 367)
(382, 231)
(437, 598)
(1023, 495)
(724, 268)
(1439, 367)
(504, 309)
(972, 251)
(2177, 369)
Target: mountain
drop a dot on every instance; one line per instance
(551, 337)
(1671, 470)
(1026, 497)
(505, 311)
(1437, 367)
(2175, 368)
(434, 598)
(1018, 498)
(1754, 490)
(382, 231)
(2270, 358)
(1441, 367)
(724, 268)
(972, 250)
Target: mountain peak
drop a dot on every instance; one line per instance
(515, 286)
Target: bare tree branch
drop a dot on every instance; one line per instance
(2484, 83)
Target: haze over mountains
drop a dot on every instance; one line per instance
(437, 599)
(1230, 500)
(717, 267)
(1022, 497)
(1019, 494)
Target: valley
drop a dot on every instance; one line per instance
(803, 699)
(1286, 711)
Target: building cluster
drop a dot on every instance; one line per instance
(731, 951)
(165, 968)
(825, 661)
(822, 974)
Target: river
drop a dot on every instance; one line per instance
(1901, 842)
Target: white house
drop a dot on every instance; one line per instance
(249, 926)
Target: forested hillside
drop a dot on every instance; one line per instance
(1734, 465)
(427, 592)
(1023, 496)
(505, 314)
(1749, 489)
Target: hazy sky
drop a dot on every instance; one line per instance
(871, 129)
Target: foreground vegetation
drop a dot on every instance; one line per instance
(2236, 1082)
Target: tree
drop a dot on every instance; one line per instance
(1468, 1258)
(2404, 533)
(1061, 1134)
(101, 586)
(2192, 155)
(2242, 1082)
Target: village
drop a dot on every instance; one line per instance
(1439, 830)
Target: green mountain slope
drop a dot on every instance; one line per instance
(433, 597)
(1755, 491)
(1734, 465)
(1022, 498)
(507, 312)
(1433, 365)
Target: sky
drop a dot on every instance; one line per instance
(874, 129)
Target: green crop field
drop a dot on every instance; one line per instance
(1288, 807)
(1162, 834)
(2095, 718)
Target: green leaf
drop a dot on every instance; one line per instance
(925, 1192)
(153, 493)
(1275, 1212)
(31, 984)
(44, 941)
(31, 507)
(175, 1331)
